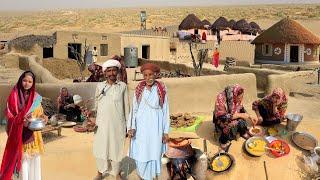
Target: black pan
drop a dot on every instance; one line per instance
(222, 153)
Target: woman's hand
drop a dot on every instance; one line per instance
(45, 118)
(92, 120)
(260, 119)
(165, 138)
(131, 133)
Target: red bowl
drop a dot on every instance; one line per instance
(279, 143)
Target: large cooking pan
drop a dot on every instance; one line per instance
(221, 161)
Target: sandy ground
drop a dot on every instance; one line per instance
(70, 156)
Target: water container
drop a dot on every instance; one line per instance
(131, 56)
(293, 121)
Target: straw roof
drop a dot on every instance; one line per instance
(287, 31)
(27, 42)
(220, 23)
(254, 25)
(206, 22)
(232, 23)
(242, 25)
(191, 22)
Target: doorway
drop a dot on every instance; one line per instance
(146, 51)
(74, 51)
(294, 53)
(48, 52)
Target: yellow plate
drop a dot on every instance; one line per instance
(256, 146)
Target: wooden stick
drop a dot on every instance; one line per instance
(205, 146)
(265, 169)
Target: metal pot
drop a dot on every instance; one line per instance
(36, 124)
(293, 121)
(53, 121)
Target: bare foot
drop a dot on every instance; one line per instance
(98, 177)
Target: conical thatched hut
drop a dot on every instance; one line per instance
(242, 25)
(255, 28)
(191, 22)
(254, 25)
(220, 24)
(206, 22)
(286, 42)
(232, 23)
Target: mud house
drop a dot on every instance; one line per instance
(64, 44)
(287, 42)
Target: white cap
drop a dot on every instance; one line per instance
(111, 63)
(77, 99)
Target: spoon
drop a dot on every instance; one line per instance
(220, 163)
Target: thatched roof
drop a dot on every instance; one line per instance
(254, 25)
(191, 22)
(232, 23)
(242, 25)
(220, 23)
(287, 31)
(206, 22)
(27, 42)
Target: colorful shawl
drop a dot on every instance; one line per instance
(268, 104)
(17, 133)
(226, 103)
(160, 87)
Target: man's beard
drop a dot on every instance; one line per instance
(150, 82)
(113, 78)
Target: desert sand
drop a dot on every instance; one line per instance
(13, 24)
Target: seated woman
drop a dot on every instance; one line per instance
(230, 117)
(271, 109)
(66, 105)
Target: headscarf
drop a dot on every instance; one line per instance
(154, 68)
(280, 93)
(17, 107)
(227, 101)
(62, 98)
(96, 73)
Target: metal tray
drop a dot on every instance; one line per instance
(36, 124)
(304, 140)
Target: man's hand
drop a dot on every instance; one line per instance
(131, 133)
(165, 138)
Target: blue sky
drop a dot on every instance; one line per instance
(67, 4)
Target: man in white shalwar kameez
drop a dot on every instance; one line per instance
(149, 123)
(112, 108)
